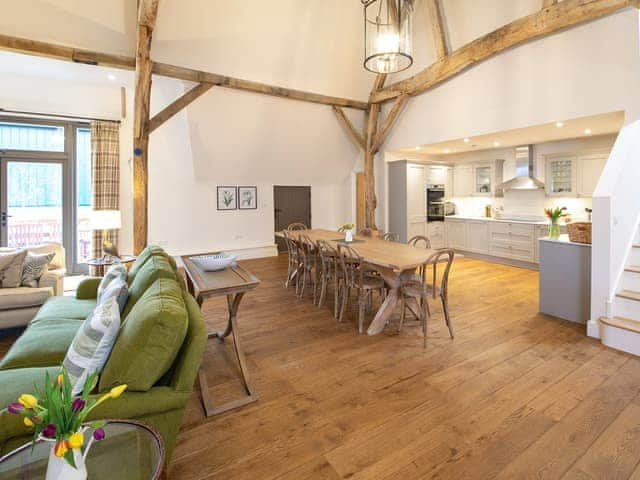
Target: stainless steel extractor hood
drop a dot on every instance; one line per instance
(524, 179)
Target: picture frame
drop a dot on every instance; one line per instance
(248, 198)
(227, 197)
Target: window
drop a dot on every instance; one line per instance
(45, 175)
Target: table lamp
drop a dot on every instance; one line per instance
(106, 220)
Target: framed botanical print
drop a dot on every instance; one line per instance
(227, 198)
(247, 198)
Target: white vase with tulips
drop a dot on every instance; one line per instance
(58, 417)
(349, 230)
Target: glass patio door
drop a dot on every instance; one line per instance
(32, 201)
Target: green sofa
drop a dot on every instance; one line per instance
(158, 350)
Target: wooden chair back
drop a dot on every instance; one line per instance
(297, 226)
(366, 232)
(437, 259)
(307, 246)
(420, 241)
(391, 237)
(328, 255)
(351, 264)
(290, 242)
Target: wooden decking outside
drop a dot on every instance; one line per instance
(515, 395)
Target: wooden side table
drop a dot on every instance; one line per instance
(233, 282)
(98, 266)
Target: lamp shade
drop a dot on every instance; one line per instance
(105, 220)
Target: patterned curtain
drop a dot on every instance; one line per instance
(105, 175)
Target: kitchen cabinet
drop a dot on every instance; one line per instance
(483, 183)
(477, 236)
(462, 180)
(407, 199)
(512, 240)
(574, 175)
(456, 233)
(436, 234)
(589, 171)
(436, 174)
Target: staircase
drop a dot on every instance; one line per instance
(622, 330)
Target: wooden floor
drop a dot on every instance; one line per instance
(515, 395)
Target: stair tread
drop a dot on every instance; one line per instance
(636, 245)
(622, 322)
(629, 295)
(633, 268)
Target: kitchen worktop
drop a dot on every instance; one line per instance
(564, 239)
(531, 221)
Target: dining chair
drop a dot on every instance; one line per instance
(419, 290)
(357, 275)
(330, 271)
(391, 237)
(294, 261)
(297, 226)
(421, 241)
(309, 266)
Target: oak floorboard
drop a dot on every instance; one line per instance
(516, 394)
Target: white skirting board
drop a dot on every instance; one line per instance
(255, 252)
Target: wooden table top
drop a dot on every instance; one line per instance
(382, 253)
(233, 279)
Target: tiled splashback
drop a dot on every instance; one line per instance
(522, 203)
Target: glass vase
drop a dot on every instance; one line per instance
(554, 230)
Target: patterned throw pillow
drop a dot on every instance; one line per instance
(115, 271)
(35, 265)
(92, 344)
(117, 289)
(11, 268)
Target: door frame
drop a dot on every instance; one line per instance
(69, 181)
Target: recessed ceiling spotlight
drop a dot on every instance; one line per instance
(559, 124)
(466, 140)
(111, 77)
(587, 131)
(496, 144)
(418, 148)
(446, 150)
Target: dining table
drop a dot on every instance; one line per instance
(396, 262)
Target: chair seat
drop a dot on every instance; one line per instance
(370, 282)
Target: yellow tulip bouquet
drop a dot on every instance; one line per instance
(57, 416)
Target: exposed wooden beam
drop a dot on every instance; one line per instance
(548, 3)
(147, 13)
(537, 25)
(173, 108)
(59, 52)
(356, 136)
(388, 122)
(250, 86)
(434, 8)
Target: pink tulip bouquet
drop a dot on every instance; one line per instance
(57, 416)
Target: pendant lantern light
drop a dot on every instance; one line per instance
(387, 35)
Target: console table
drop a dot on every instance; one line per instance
(233, 282)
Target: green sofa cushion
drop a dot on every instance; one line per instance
(149, 339)
(43, 344)
(153, 269)
(65, 307)
(149, 252)
(14, 383)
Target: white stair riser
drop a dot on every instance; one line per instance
(630, 281)
(620, 339)
(634, 257)
(623, 307)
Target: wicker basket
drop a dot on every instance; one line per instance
(579, 232)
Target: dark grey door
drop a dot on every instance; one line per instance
(291, 204)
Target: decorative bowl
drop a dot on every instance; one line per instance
(214, 262)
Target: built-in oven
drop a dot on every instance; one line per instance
(435, 203)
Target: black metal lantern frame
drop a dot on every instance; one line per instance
(387, 35)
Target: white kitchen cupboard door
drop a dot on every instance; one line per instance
(456, 233)
(477, 236)
(436, 175)
(561, 176)
(448, 183)
(589, 171)
(416, 200)
(482, 180)
(436, 234)
(462, 180)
